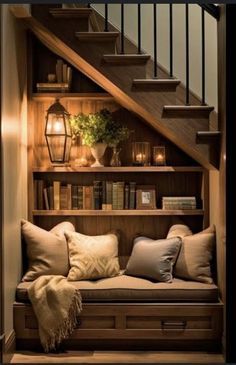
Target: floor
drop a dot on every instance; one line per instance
(118, 357)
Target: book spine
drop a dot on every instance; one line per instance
(120, 195)
(132, 188)
(64, 72)
(109, 192)
(69, 75)
(46, 201)
(40, 202)
(114, 196)
(63, 198)
(74, 196)
(80, 197)
(35, 194)
(56, 191)
(51, 197)
(69, 196)
(87, 197)
(97, 194)
(59, 66)
(126, 196)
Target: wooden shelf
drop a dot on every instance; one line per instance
(73, 96)
(120, 169)
(135, 212)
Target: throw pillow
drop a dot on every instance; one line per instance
(47, 252)
(92, 257)
(179, 230)
(194, 260)
(153, 259)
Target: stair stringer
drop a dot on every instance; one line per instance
(181, 132)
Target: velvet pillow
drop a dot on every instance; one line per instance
(194, 260)
(92, 257)
(47, 252)
(153, 259)
(179, 230)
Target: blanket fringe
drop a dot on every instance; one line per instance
(67, 327)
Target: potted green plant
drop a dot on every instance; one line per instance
(98, 130)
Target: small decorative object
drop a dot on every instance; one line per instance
(115, 160)
(98, 130)
(141, 153)
(51, 78)
(146, 197)
(58, 133)
(159, 156)
(81, 162)
(98, 151)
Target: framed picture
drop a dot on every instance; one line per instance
(146, 197)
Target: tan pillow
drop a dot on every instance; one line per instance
(194, 260)
(179, 230)
(47, 252)
(92, 257)
(153, 259)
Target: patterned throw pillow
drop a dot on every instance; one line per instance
(92, 257)
(47, 252)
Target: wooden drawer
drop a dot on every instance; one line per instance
(159, 322)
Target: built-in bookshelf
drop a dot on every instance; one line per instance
(181, 177)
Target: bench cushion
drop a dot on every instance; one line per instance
(125, 288)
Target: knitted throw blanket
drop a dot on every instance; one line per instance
(56, 304)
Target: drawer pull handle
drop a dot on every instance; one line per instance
(173, 325)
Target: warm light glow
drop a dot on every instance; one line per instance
(140, 157)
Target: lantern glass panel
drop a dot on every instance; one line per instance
(55, 124)
(56, 146)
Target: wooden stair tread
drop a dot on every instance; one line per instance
(132, 59)
(70, 12)
(187, 111)
(97, 36)
(207, 136)
(156, 84)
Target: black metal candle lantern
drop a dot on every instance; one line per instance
(58, 133)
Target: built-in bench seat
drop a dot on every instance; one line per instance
(125, 288)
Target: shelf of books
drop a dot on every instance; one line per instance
(120, 169)
(133, 212)
(44, 96)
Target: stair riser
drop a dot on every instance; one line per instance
(154, 88)
(65, 26)
(185, 114)
(96, 48)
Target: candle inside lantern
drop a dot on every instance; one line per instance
(159, 155)
(140, 157)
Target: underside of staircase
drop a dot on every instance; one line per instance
(70, 34)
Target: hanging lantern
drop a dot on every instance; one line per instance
(58, 133)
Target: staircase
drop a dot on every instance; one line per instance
(68, 32)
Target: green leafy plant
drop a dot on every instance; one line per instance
(98, 127)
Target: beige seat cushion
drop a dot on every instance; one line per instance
(47, 252)
(92, 257)
(125, 288)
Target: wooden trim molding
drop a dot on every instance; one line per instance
(9, 348)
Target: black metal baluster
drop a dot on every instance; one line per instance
(171, 39)
(139, 28)
(106, 18)
(155, 39)
(187, 52)
(89, 5)
(122, 29)
(203, 57)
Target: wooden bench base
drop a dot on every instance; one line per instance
(133, 326)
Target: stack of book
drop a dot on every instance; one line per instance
(178, 202)
(63, 79)
(105, 195)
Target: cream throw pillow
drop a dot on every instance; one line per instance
(92, 257)
(194, 260)
(47, 252)
(179, 230)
